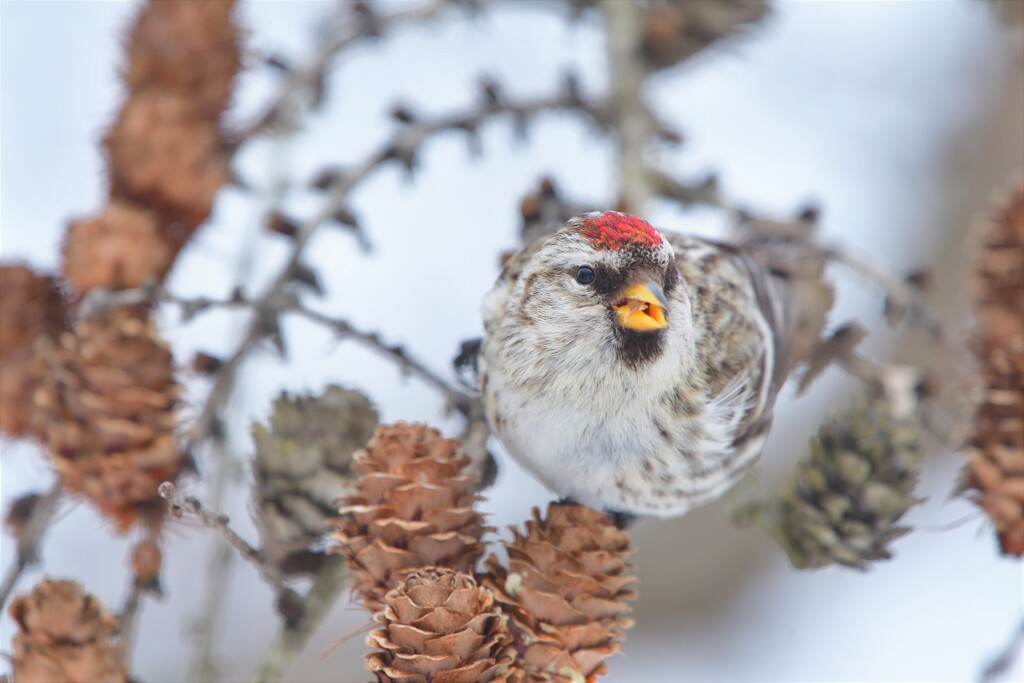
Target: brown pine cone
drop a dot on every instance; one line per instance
(302, 467)
(106, 411)
(65, 635)
(996, 446)
(438, 626)
(190, 48)
(566, 589)
(413, 508)
(165, 155)
(31, 307)
(120, 249)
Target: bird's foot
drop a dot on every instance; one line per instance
(622, 520)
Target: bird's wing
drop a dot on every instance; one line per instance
(493, 308)
(753, 328)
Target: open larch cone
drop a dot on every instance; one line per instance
(566, 590)
(65, 635)
(165, 155)
(31, 307)
(119, 249)
(106, 411)
(996, 445)
(165, 149)
(302, 467)
(439, 626)
(413, 508)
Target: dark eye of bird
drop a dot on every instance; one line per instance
(585, 275)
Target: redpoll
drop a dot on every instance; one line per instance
(635, 371)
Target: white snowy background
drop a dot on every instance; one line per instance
(896, 116)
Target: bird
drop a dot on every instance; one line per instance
(635, 370)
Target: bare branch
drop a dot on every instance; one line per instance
(221, 523)
(402, 147)
(631, 117)
(704, 192)
(1001, 663)
(138, 589)
(308, 81)
(898, 291)
(341, 327)
(288, 602)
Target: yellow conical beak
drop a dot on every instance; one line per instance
(641, 306)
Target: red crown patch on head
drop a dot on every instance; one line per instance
(612, 230)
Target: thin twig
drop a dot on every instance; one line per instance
(129, 612)
(222, 467)
(133, 602)
(339, 326)
(402, 147)
(330, 582)
(900, 293)
(307, 81)
(220, 522)
(204, 666)
(1001, 663)
(704, 192)
(28, 541)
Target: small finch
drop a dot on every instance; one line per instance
(635, 371)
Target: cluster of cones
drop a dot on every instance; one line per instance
(97, 388)
(996, 446)
(412, 538)
(165, 152)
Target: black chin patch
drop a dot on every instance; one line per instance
(636, 348)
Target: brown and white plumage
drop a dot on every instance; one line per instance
(612, 405)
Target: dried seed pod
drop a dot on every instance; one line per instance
(413, 508)
(439, 626)
(65, 635)
(106, 411)
(566, 589)
(996, 444)
(302, 466)
(850, 493)
(120, 249)
(31, 307)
